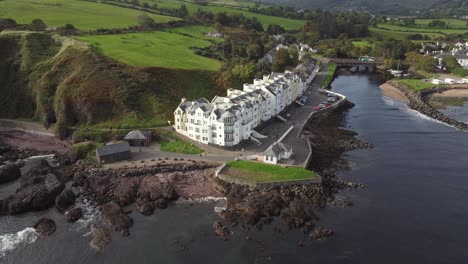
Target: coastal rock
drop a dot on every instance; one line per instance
(9, 172)
(35, 193)
(65, 200)
(79, 179)
(221, 231)
(145, 207)
(150, 188)
(45, 227)
(321, 233)
(160, 203)
(100, 186)
(127, 190)
(113, 215)
(101, 238)
(168, 192)
(73, 215)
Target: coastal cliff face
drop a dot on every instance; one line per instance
(60, 80)
(417, 101)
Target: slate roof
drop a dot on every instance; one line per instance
(277, 149)
(137, 135)
(112, 149)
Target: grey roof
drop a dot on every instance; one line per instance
(277, 149)
(112, 149)
(137, 134)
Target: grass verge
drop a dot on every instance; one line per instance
(330, 74)
(260, 172)
(417, 85)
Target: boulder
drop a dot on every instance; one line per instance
(321, 233)
(150, 188)
(9, 172)
(127, 190)
(113, 215)
(79, 179)
(220, 230)
(73, 215)
(35, 193)
(65, 200)
(160, 203)
(168, 192)
(101, 238)
(145, 207)
(45, 227)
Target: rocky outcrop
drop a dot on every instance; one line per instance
(321, 233)
(9, 172)
(65, 200)
(417, 101)
(37, 191)
(221, 231)
(101, 237)
(73, 215)
(45, 227)
(113, 215)
(127, 190)
(145, 207)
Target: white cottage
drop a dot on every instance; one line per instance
(277, 152)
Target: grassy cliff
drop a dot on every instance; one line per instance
(63, 81)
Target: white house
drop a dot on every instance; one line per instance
(228, 120)
(277, 152)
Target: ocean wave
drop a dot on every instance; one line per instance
(201, 200)
(425, 117)
(91, 214)
(395, 103)
(9, 242)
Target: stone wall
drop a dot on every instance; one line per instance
(417, 101)
(266, 185)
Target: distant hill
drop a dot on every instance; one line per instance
(450, 7)
(379, 6)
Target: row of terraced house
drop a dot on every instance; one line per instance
(228, 120)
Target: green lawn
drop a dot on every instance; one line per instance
(417, 85)
(287, 23)
(180, 146)
(261, 172)
(158, 49)
(82, 14)
(330, 74)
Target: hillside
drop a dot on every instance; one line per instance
(61, 80)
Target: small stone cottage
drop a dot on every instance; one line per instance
(138, 138)
(277, 152)
(113, 153)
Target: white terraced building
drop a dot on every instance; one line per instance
(228, 120)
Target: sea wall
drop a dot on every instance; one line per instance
(417, 101)
(266, 185)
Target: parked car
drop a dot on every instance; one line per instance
(317, 108)
(326, 104)
(330, 95)
(332, 99)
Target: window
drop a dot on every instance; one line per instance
(197, 130)
(178, 127)
(197, 137)
(177, 119)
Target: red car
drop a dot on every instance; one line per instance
(317, 108)
(326, 104)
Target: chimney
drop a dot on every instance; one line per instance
(184, 99)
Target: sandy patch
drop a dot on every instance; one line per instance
(23, 140)
(393, 93)
(452, 93)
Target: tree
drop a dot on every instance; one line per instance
(183, 11)
(7, 23)
(145, 21)
(244, 71)
(38, 25)
(254, 50)
(282, 60)
(420, 62)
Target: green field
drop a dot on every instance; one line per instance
(158, 49)
(417, 85)
(452, 23)
(195, 32)
(83, 15)
(421, 30)
(400, 35)
(287, 23)
(261, 172)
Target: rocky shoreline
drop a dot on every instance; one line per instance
(148, 188)
(418, 102)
